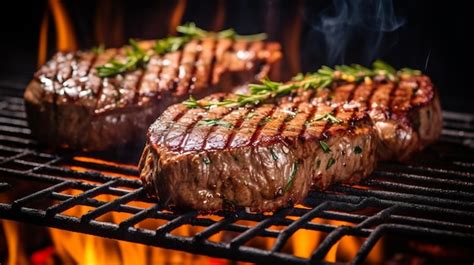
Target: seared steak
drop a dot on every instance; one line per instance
(69, 105)
(406, 114)
(261, 157)
(268, 156)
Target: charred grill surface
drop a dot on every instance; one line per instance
(69, 105)
(263, 158)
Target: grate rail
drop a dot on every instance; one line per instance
(432, 197)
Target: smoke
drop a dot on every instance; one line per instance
(354, 30)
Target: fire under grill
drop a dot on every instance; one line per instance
(431, 198)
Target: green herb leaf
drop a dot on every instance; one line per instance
(328, 117)
(135, 58)
(318, 163)
(212, 122)
(274, 155)
(291, 180)
(331, 162)
(324, 78)
(191, 103)
(324, 146)
(206, 160)
(357, 149)
(98, 49)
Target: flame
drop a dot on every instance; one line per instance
(43, 39)
(176, 16)
(109, 22)
(220, 16)
(291, 43)
(65, 34)
(78, 248)
(16, 254)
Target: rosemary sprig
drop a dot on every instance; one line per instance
(328, 117)
(137, 57)
(323, 78)
(217, 122)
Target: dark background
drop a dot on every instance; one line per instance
(441, 30)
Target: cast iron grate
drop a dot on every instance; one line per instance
(432, 197)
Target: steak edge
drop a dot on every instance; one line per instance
(69, 105)
(262, 159)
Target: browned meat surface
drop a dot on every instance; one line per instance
(262, 157)
(406, 114)
(269, 156)
(69, 105)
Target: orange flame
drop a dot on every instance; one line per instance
(177, 16)
(66, 38)
(65, 34)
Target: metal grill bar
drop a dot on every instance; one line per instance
(434, 199)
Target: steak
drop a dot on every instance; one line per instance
(260, 157)
(269, 156)
(406, 114)
(69, 105)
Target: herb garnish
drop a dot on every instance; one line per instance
(136, 57)
(212, 122)
(318, 163)
(274, 155)
(324, 146)
(357, 149)
(98, 49)
(289, 184)
(331, 162)
(324, 77)
(328, 117)
(206, 160)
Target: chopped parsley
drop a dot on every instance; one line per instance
(328, 117)
(331, 162)
(291, 180)
(357, 149)
(206, 160)
(212, 122)
(318, 163)
(274, 155)
(324, 146)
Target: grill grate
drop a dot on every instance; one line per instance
(433, 197)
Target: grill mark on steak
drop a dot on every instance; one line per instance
(74, 86)
(272, 129)
(248, 127)
(402, 98)
(424, 93)
(198, 134)
(169, 117)
(148, 89)
(110, 93)
(221, 137)
(212, 65)
(259, 127)
(343, 92)
(293, 124)
(220, 66)
(187, 68)
(170, 64)
(317, 127)
(203, 72)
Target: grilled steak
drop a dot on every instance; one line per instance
(262, 157)
(406, 114)
(268, 156)
(69, 105)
